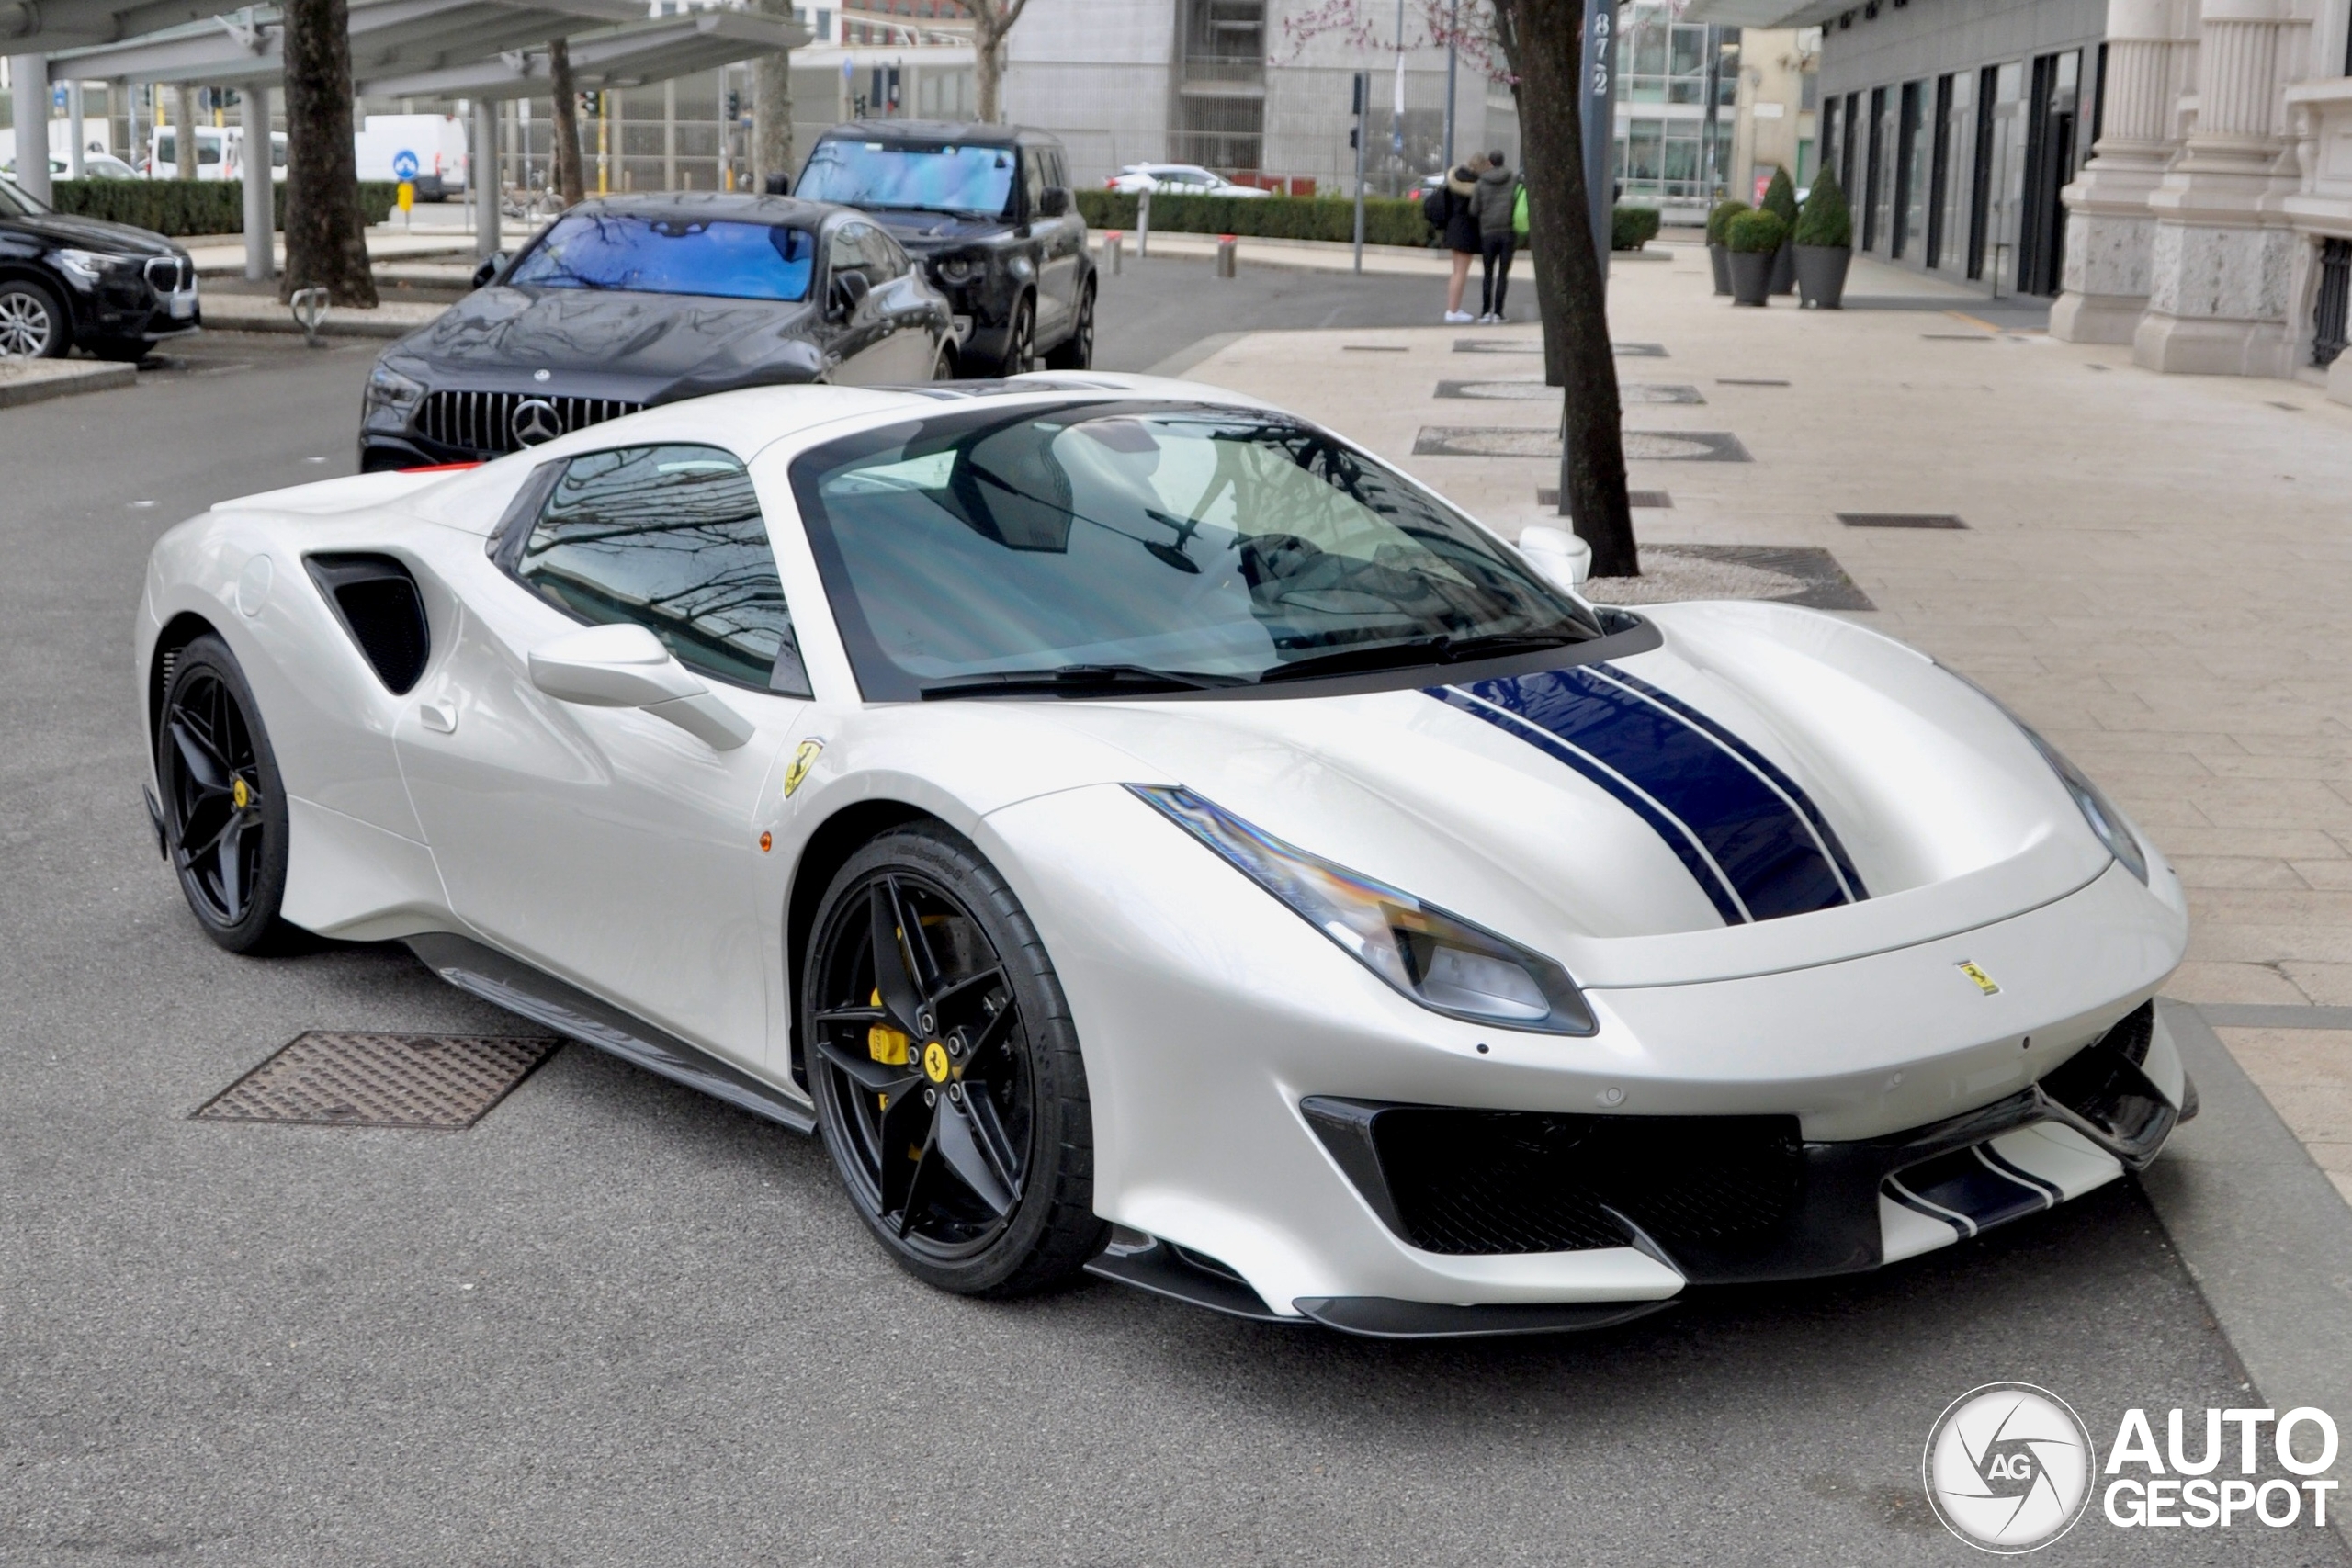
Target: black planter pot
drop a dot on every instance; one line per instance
(1784, 269)
(1751, 277)
(1718, 257)
(1821, 273)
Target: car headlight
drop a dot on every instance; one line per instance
(85, 268)
(390, 389)
(1439, 960)
(956, 269)
(2112, 828)
(1023, 268)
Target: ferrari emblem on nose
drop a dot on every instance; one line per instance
(1984, 982)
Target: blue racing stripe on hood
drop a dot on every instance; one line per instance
(1764, 846)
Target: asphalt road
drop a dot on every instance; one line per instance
(616, 1323)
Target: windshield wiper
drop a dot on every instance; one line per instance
(1076, 681)
(1446, 649)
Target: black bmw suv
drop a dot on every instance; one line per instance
(65, 281)
(988, 208)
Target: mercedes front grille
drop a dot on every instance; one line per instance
(486, 422)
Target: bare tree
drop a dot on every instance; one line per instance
(991, 20)
(1537, 46)
(772, 103)
(326, 239)
(570, 183)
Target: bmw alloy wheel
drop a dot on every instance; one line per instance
(28, 323)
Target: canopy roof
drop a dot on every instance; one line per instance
(1767, 13)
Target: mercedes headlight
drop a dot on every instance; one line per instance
(85, 268)
(2105, 820)
(1440, 960)
(392, 390)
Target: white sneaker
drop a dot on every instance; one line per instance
(1488, 319)
(1457, 318)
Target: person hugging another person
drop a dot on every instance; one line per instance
(1452, 209)
(1495, 200)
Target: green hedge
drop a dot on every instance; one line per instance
(1387, 221)
(1631, 227)
(191, 206)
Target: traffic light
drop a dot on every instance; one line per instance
(734, 104)
(592, 105)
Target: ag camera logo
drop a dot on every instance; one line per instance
(2009, 1467)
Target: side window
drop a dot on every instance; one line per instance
(1032, 181)
(890, 261)
(670, 538)
(855, 249)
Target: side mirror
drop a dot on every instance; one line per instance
(492, 267)
(849, 291)
(778, 184)
(1559, 555)
(1053, 201)
(626, 666)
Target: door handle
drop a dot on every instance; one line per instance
(438, 716)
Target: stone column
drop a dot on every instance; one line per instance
(2109, 229)
(485, 175)
(29, 91)
(2222, 256)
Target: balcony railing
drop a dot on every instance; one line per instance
(1240, 69)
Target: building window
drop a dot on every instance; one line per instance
(2331, 311)
(1663, 159)
(1665, 61)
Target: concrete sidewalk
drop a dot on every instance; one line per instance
(224, 256)
(2154, 571)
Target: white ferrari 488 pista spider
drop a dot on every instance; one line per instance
(1142, 832)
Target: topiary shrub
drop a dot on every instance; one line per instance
(1723, 213)
(1780, 199)
(1753, 232)
(1631, 227)
(1826, 219)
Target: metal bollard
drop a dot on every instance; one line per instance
(310, 308)
(1227, 247)
(1143, 225)
(1115, 251)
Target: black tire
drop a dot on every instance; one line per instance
(224, 804)
(33, 322)
(967, 1146)
(1020, 339)
(1076, 352)
(943, 364)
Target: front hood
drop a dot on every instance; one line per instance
(1770, 789)
(925, 231)
(644, 349)
(95, 234)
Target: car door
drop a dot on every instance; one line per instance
(909, 312)
(606, 845)
(860, 340)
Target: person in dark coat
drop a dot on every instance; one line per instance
(1459, 195)
(1495, 199)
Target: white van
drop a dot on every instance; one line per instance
(220, 152)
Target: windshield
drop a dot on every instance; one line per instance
(1219, 545)
(970, 180)
(671, 255)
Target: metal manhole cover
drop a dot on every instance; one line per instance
(1641, 446)
(1526, 345)
(1654, 499)
(329, 1080)
(1900, 520)
(1628, 392)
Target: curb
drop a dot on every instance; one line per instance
(61, 378)
(2262, 1231)
(276, 318)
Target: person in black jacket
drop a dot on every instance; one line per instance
(1453, 207)
(1495, 200)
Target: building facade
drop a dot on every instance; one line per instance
(1707, 111)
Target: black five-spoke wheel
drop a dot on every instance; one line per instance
(224, 809)
(946, 1072)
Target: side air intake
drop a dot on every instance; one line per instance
(376, 601)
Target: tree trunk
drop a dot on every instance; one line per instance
(326, 242)
(771, 105)
(987, 55)
(571, 185)
(1544, 38)
(184, 145)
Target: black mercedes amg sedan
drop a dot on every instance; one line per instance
(623, 302)
(990, 210)
(68, 282)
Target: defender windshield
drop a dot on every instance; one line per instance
(1099, 547)
(664, 254)
(972, 181)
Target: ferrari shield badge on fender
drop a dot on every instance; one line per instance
(802, 761)
(1968, 966)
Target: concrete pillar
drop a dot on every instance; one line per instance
(485, 177)
(670, 134)
(28, 88)
(2222, 256)
(184, 132)
(261, 215)
(2110, 229)
(74, 168)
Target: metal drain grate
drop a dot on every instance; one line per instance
(1900, 520)
(1654, 499)
(1749, 381)
(443, 1081)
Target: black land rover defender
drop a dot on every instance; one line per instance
(988, 209)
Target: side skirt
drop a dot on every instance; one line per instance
(573, 1013)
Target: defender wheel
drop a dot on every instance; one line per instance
(1076, 352)
(947, 1070)
(224, 805)
(1020, 342)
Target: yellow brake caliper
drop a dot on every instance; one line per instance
(886, 1046)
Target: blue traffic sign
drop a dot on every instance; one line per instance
(404, 164)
